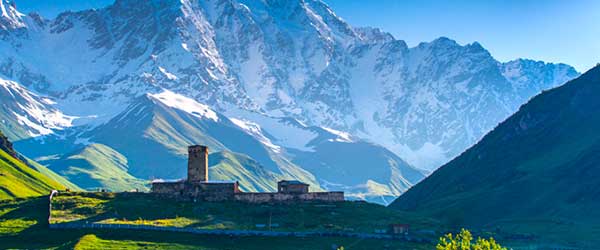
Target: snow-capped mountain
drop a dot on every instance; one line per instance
(287, 67)
(11, 18)
(24, 114)
(165, 123)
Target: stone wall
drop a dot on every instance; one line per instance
(289, 197)
(293, 188)
(229, 191)
(168, 188)
(209, 191)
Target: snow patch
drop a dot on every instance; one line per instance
(255, 130)
(288, 133)
(35, 112)
(185, 104)
(23, 120)
(167, 74)
(341, 136)
(185, 46)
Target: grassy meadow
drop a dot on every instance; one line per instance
(141, 208)
(23, 224)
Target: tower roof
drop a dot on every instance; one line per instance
(291, 182)
(198, 147)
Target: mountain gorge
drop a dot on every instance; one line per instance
(286, 89)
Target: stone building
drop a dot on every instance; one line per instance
(197, 186)
(197, 163)
(291, 187)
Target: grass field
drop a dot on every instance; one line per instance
(140, 208)
(23, 225)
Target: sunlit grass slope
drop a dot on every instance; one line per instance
(252, 176)
(19, 180)
(97, 166)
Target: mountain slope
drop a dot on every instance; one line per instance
(166, 123)
(169, 123)
(24, 114)
(280, 75)
(19, 180)
(286, 148)
(357, 167)
(52, 175)
(287, 59)
(96, 166)
(226, 165)
(337, 159)
(537, 168)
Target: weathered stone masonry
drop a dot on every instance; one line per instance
(198, 187)
(197, 163)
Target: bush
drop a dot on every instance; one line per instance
(463, 241)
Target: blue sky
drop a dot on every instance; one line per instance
(549, 30)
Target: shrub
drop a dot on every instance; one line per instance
(463, 241)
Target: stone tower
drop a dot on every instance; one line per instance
(197, 163)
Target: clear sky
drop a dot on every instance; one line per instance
(565, 31)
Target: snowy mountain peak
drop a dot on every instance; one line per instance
(120, 4)
(35, 115)
(10, 17)
(523, 72)
(443, 42)
(374, 35)
(287, 59)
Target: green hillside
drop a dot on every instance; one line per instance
(252, 176)
(52, 175)
(143, 208)
(95, 166)
(149, 140)
(150, 126)
(23, 224)
(535, 174)
(17, 179)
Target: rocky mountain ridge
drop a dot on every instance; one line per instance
(264, 62)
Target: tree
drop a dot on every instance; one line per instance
(463, 241)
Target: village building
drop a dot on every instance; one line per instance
(197, 186)
(399, 229)
(292, 187)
